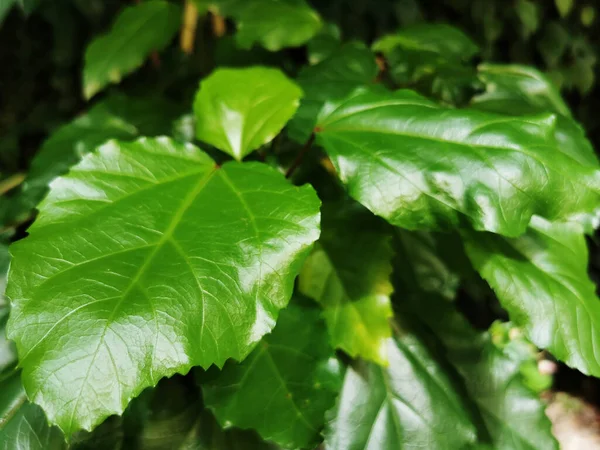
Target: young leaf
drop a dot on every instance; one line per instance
(294, 367)
(139, 29)
(275, 24)
(178, 262)
(23, 424)
(410, 404)
(421, 166)
(541, 279)
(520, 90)
(238, 110)
(348, 274)
(350, 66)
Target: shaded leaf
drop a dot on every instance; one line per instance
(238, 110)
(327, 41)
(410, 404)
(350, 66)
(348, 274)
(274, 24)
(541, 280)
(285, 386)
(138, 30)
(421, 166)
(126, 222)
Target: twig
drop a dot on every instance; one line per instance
(300, 156)
(11, 182)
(188, 30)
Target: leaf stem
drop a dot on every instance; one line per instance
(188, 30)
(11, 182)
(300, 156)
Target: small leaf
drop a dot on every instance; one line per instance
(348, 274)
(167, 277)
(410, 404)
(564, 7)
(421, 166)
(138, 30)
(294, 367)
(275, 24)
(529, 14)
(238, 110)
(541, 280)
(23, 425)
(350, 66)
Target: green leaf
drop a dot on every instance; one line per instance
(529, 14)
(23, 425)
(433, 57)
(508, 414)
(116, 117)
(178, 262)
(238, 110)
(274, 24)
(541, 280)
(8, 354)
(5, 7)
(410, 404)
(138, 30)
(322, 46)
(284, 387)
(564, 7)
(350, 66)
(520, 90)
(348, 274)
(496, 171)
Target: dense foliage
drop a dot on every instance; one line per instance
(277, 230)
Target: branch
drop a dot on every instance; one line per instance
(300, 156)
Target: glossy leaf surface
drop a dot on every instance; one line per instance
(410, 404)
(348, 67)
(167, 277)
(285, 386)
(541, 280)
(238, 110)
(138, 30)
(274, 24)
(348, 273)
(515, 89)
(421, 166)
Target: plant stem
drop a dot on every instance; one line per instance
(218, 25)
(11, 182)
(188, 30)
(300, 156)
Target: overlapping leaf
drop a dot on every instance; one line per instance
(274, 24)
(138, 30)
(166, 277)
(348, 67)
(515, 89)
(508, 414)
(421, 166)
(348, 273)
(238, 110)
(410, 404)
(285, 386)
(541, 280)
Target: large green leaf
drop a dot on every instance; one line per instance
(138, 30)
(116, 117)
(274, 24)
(178, 262)
(421, 166)
(23, 425)
(348, 274)
(285, 386)
(348, 67)
(410, 404)
(509, 415)
(541, 279)
(238, 110)
(8, 355)
(520, 90)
